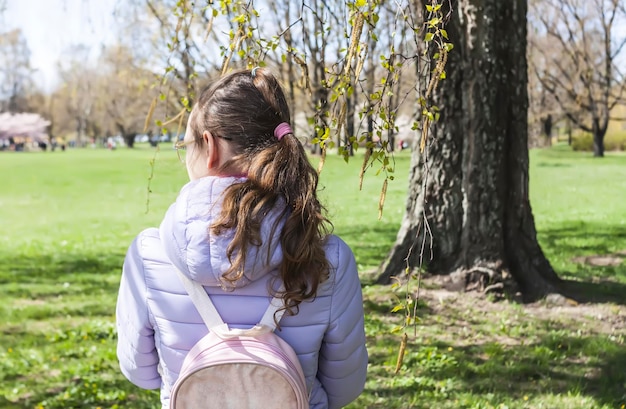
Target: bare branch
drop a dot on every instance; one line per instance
(576, 64)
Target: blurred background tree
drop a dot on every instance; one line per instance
(578, 50)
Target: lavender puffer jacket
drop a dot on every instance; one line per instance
(158, 324)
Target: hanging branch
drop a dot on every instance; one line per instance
(435, 38)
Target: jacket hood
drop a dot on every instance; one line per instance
(201, 255)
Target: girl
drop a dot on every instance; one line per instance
(248, 221)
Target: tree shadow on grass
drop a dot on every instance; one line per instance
(578, 243)
(590, 366)
(20, 275)
(89, 392)
(385, 307)
(556, 365)
(546, 367)
(61, 306)
(578, 237)
(553, 165)
(595, 293)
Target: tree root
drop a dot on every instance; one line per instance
(486, 278)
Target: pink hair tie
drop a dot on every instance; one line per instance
(281, 130)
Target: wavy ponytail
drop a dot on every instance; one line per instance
(245, 109)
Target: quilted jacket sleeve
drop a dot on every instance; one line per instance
(136, 349)
(343, 356)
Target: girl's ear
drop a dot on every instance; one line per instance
(213, 153)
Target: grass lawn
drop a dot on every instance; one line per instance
(67, 218)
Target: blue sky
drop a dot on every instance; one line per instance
(52, 26)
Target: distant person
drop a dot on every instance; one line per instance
(111, 143)
(248, 221)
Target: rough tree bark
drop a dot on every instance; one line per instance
(473, 194)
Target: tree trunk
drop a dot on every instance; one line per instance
(129, 139)
(349, 129)
(570, 131)
(468, 213)
(598, 139)
(80, 130)
(546, 125)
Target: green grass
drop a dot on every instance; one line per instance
(67, 218)
(579, 203)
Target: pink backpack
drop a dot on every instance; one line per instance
(238, 368)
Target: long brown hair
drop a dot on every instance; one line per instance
(244, 108)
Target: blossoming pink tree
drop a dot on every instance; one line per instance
(24, 125)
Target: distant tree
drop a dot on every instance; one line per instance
(80, 95)
(125, 92)
(15, 71)
(180, 31)
(55, 107)
(581, 69)
(25, 125)
(544, 112)
(42, 103)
